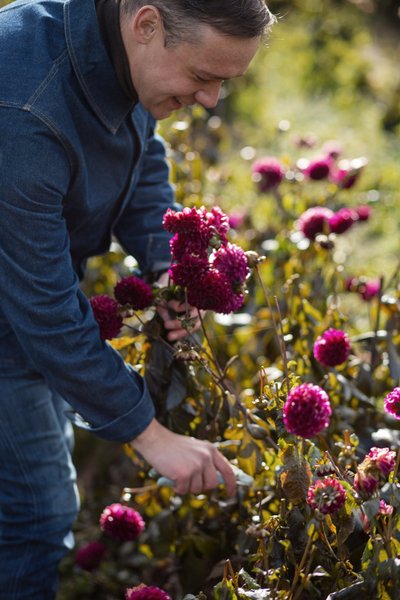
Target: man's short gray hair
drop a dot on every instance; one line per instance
(181, 18)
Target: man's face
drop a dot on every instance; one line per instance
(188, 73)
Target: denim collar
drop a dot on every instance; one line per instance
(92, 64)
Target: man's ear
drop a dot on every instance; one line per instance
(146, 23)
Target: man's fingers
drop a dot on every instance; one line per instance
(223, 466)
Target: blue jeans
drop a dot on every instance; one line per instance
(38, 493)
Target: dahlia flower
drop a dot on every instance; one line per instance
(315, 220)
(135, 292)
(213, 291)
(369, 289)
(332, 348)
(146, 592)
(364, 212)
(267, 173)
(189, 268)
(319, 168)
(385, 509)
(231, 261)
(342, 220)
(90, 556)
(383, 458)
(392, 403)
(217, 219)
(105, 311)
(326, 495)
(366, 481)
(307, 410)
(181, 245)
(121, 522)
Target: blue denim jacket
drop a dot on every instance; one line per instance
(77, 164)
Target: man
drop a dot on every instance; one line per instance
(81, 86)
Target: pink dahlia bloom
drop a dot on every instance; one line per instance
(307, 410)
(189, 221)
(135, 292)
(216, 219)
(366, 481)
(90, 556)
(384, 459)
(181, 245)
(385, 509)
(187, 271)
(332, 149)
(236, 219)
(231, 261)
(319, 168)
(121, 522)
(392, 403)
(348, 172)
(146, 592)
(342, 220)
(332, 348)
(364, 212)
(105, 310)
(267, 173)
(327, 495)
(315, 220)
(369, 289)
(213, 291)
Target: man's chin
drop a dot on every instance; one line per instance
(165, 109)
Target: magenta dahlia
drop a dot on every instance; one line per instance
(385, 509)
(326, 495)
(121, 522)
(369, 289)
(135, 292)
(267, 173)
(187, 271)
(105, 311)
(181, 245)
(315, 220)
(342, 220)
(189, 221)
(392, 403)
(146, 592)
(384, 459)
(364, 212)
(366, 481)
(231, 261)
(319, 168)
(307, 410)
(89, 557)
(213, 291)
(332, 348)
(217, 220)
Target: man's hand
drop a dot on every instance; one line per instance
(192, 464)
(180, 319)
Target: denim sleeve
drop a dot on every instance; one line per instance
(139, 228)
(39, 291)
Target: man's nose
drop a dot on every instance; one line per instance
(208, 96)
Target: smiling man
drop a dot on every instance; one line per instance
(82, 84)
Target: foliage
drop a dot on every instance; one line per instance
(268, 542)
